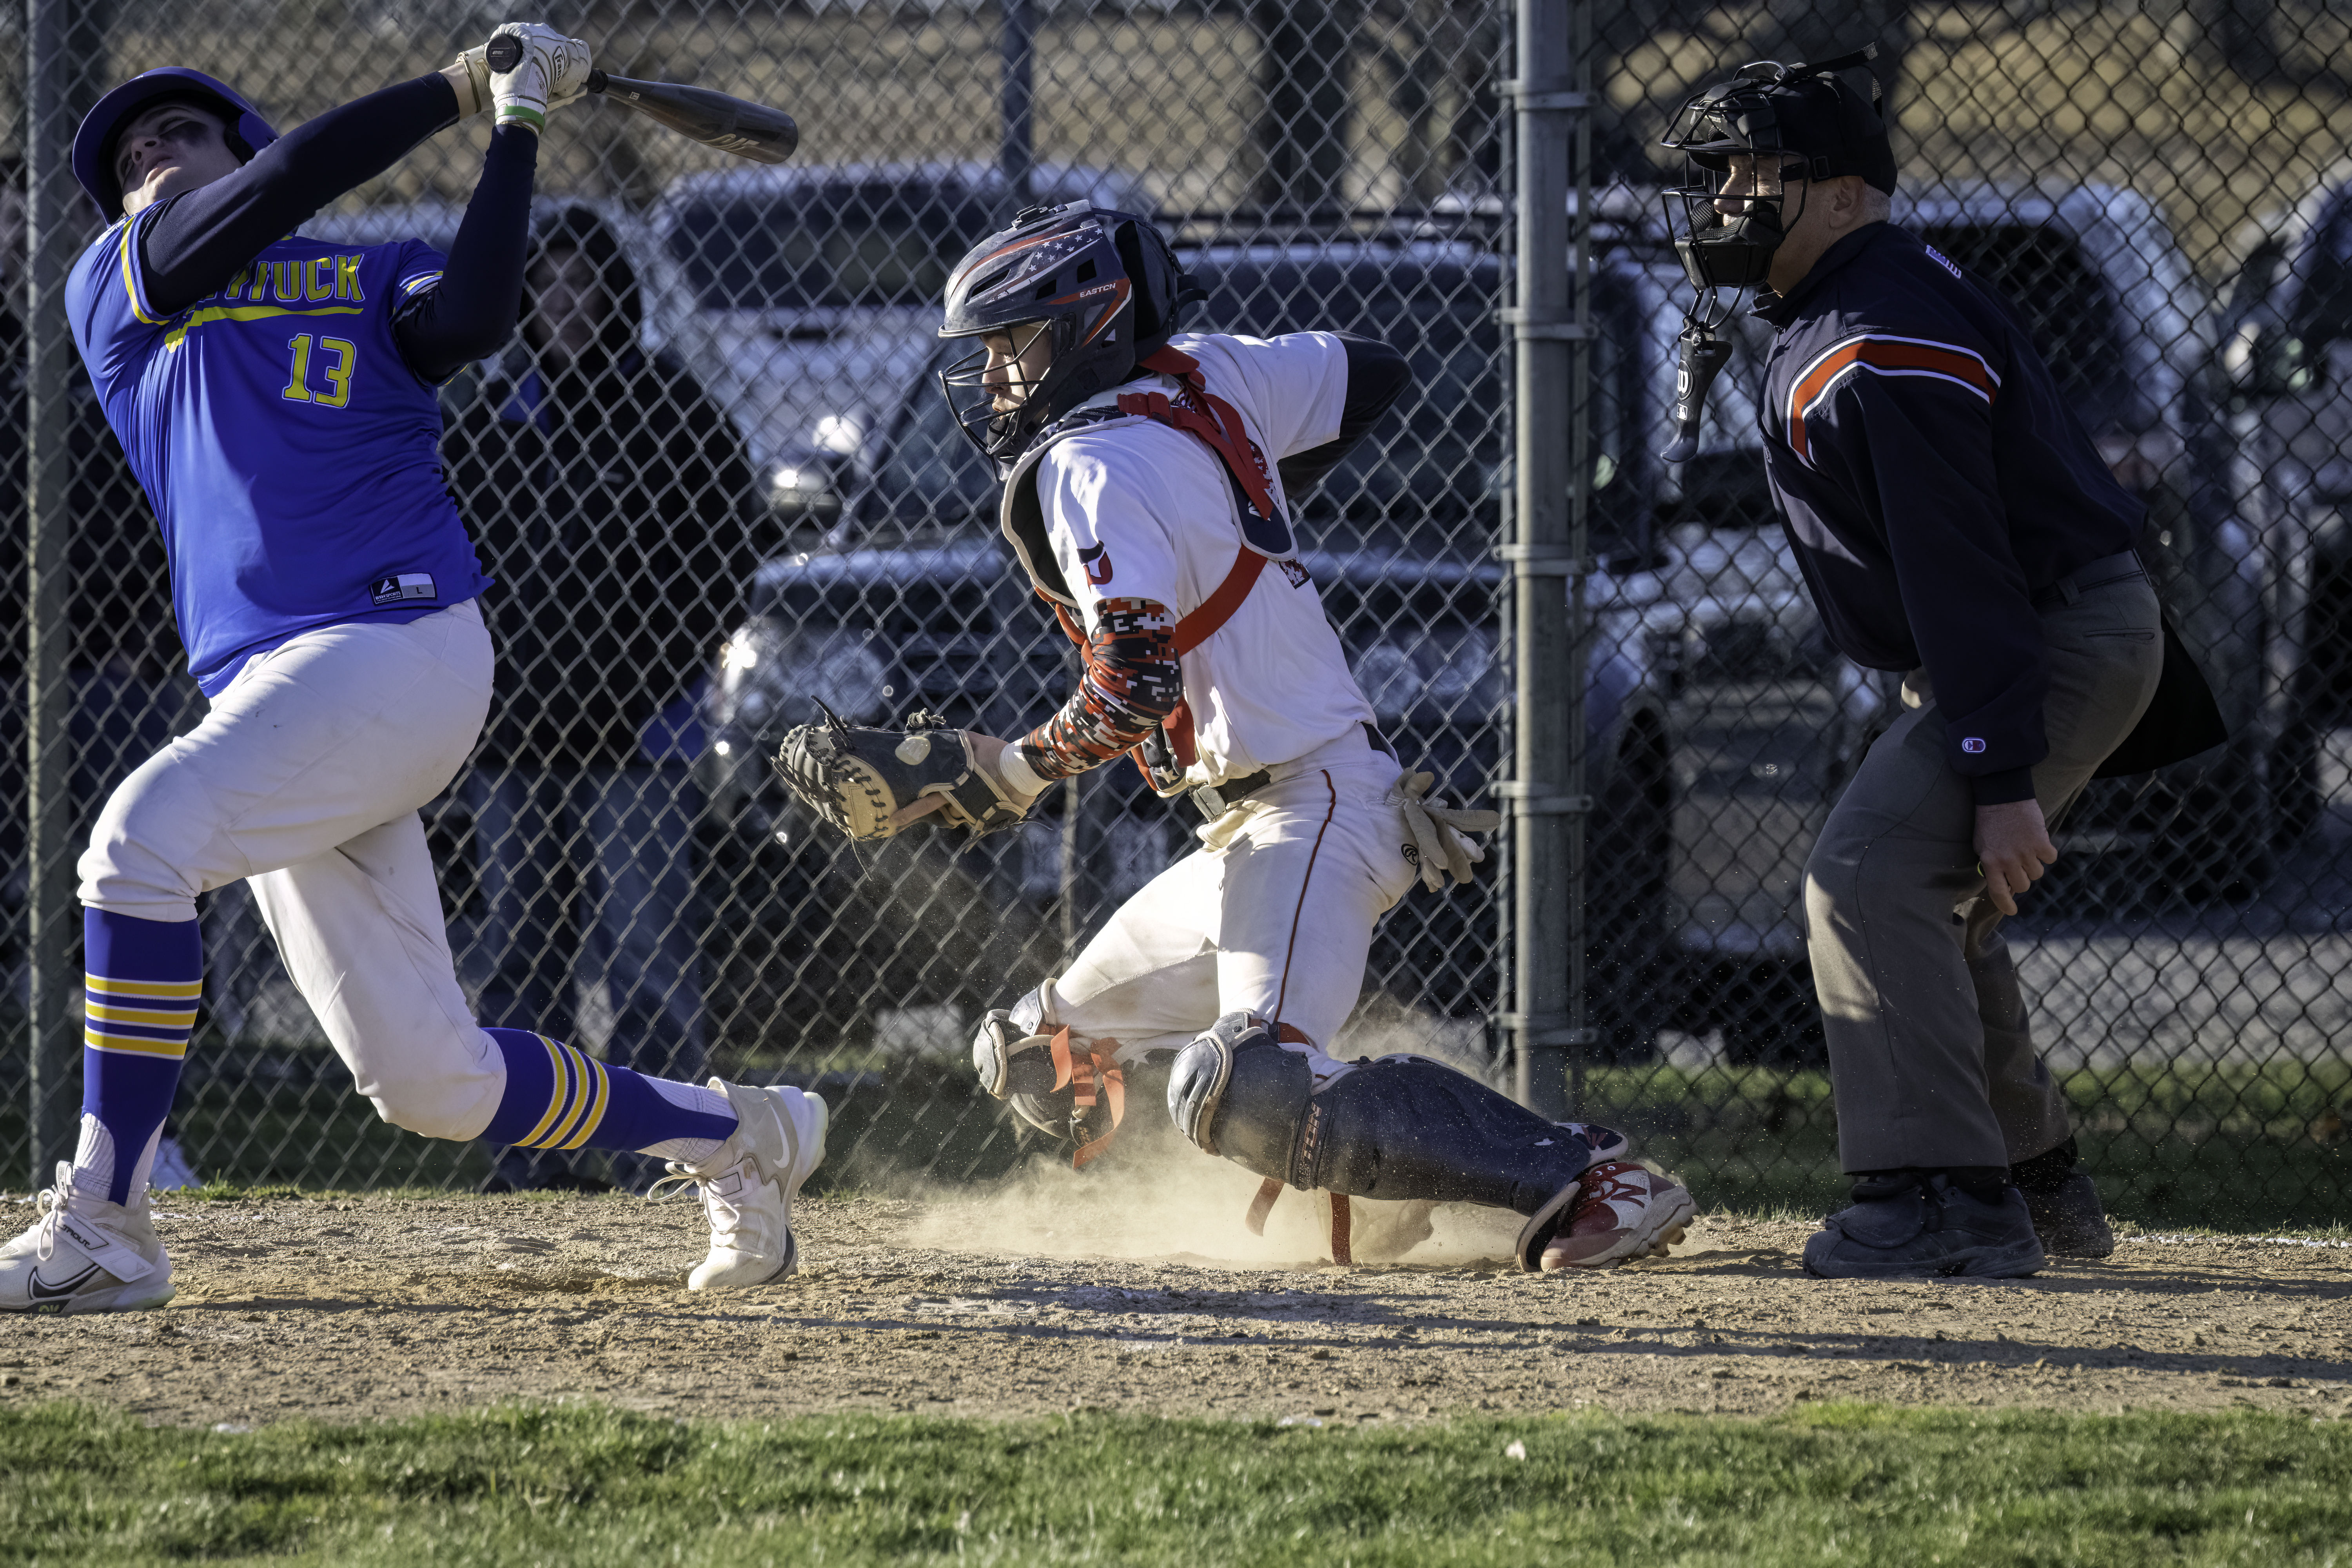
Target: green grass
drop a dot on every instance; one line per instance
(581, 1486)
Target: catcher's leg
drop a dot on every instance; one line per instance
(1407, 1128)
(1304, 883)
(1276, 921)
(1142, 988)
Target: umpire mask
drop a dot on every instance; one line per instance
(1788, 125)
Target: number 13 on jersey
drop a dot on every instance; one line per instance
(339, 374)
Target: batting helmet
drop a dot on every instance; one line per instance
(247, 133)
(1800, 122)
(1104, 283)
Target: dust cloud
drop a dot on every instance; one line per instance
(1171, 1203)
(1152, 1197)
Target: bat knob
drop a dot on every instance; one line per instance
(503, 53)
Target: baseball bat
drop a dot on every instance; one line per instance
(747, 130)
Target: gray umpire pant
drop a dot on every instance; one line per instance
(1931, 1056)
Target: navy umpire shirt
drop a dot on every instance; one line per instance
(1932, 480)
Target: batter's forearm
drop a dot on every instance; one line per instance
(195, 243)
(1132, 682)
(471, 312)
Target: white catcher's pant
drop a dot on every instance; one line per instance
(1279, 921)
(305, 778)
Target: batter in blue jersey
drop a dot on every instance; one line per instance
(276, 397)
(298, 370)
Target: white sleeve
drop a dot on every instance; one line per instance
(1292, 388)
(1107, 537)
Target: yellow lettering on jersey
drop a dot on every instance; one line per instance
(298, 388)
(347, 279)
(317, 281)
(338, 375)
(285, 278)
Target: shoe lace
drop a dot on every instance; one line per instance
(672, 1185)
(726, 1218)
(48, 1205)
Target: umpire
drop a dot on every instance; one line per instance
(1953, 522)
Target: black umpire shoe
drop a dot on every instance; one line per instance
(1917, 1222)
(2070, 1219)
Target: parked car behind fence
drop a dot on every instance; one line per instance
(812, 290)
(2286, 356)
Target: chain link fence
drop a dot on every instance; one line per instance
(716, 484)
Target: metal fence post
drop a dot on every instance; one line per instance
(1546, 796)
(1017, 147)
(52, 922)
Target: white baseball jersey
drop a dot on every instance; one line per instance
(1141, 510)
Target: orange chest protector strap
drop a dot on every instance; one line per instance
(1201, 414)
(1192, 630)
(1199, 411)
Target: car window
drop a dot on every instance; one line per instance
(1433, 458)
(832, 246)
(2066, 305)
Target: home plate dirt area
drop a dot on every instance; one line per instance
(1053, 1295)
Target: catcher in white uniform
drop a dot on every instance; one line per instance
(1147, 481)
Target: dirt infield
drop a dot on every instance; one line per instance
(1054, 1296)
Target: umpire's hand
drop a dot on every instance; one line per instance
(2013, 848)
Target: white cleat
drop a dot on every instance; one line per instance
(749, 1182)
(85, 1255)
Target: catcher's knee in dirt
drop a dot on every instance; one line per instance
(1399, 1128)
(1234, 1091)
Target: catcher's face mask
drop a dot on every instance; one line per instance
(1078, 295)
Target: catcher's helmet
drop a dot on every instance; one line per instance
(93, 144)
(1106, 286)
(1811, 121)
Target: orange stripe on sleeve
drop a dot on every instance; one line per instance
(1884, 356)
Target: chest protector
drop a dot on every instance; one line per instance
(1262, 522)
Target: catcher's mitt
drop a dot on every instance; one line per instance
(862, 780)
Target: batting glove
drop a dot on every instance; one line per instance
(553, 72)
(474, 67)
(1440, 841)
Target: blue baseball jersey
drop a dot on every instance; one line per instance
(291, 455)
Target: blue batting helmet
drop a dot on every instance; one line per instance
(248, 132)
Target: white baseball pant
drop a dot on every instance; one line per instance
(1278, 920)
(305, 779)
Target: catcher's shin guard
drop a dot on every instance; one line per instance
(1399, 1128)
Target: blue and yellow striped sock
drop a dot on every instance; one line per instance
(144, 978)
(558, 1097)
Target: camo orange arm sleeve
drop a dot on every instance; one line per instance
(1130, 685)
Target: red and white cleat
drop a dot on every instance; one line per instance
(1615, 1211)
